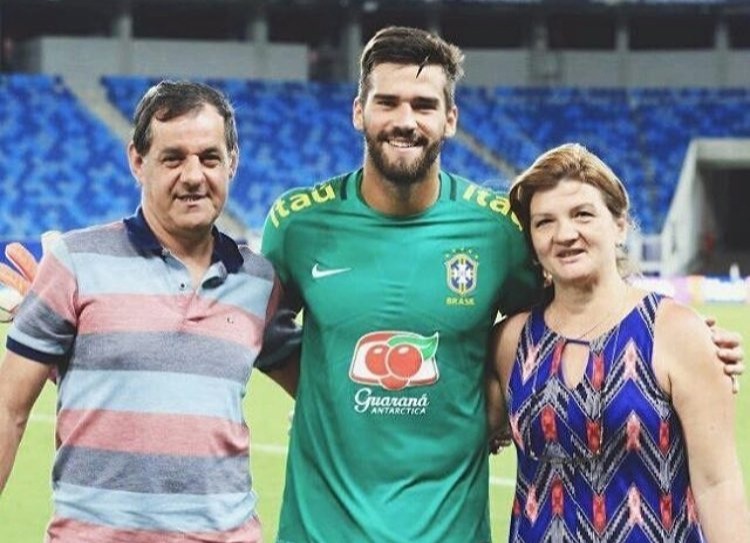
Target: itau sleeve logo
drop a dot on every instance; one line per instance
(395, 360)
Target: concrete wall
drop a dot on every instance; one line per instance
(608, 68)
(681, 237)
(496, 67)
(92, 57)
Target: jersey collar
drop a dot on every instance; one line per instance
(353, 183)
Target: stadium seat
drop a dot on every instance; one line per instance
(295, 134)
(52, 147)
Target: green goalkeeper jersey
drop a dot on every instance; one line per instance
(389, 439)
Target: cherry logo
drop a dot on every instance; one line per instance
(395, 360)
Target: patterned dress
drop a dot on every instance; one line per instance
(604, 461)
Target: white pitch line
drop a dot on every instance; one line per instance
(502, 481)
(38, 417)
(268, 448)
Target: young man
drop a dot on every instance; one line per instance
(153, 325)
(401, 269)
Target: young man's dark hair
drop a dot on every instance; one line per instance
(405, 45)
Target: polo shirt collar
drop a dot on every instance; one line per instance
(225, 248)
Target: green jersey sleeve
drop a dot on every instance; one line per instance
(282, 336)
(524, 283)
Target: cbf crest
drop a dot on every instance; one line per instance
(461, 269)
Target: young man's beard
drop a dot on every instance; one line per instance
(402, 173)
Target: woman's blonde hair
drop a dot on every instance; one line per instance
(571, 161)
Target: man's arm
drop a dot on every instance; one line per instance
(18, 282)
(21, 381)
(286, 374)
(280, 356)
(729, 351)
(24, 263)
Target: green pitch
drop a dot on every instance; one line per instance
(25, 505)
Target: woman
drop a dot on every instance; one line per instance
(621, 415)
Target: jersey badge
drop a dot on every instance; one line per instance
(462, 272)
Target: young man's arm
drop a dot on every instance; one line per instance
(729, 351)
(286, 374)
(280, 356)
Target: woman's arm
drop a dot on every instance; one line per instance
(689, 370)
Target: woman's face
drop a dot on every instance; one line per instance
(573, 232)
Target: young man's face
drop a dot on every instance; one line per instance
(405, 120)
(185, 174)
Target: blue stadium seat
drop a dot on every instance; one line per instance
(291, 134)
(51, 147)
(642, 133)
(64, 169)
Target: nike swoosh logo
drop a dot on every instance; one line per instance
(317, 273)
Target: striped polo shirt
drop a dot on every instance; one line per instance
(152, 445)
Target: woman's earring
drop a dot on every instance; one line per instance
(547, 276)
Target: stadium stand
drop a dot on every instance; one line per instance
(667, 119)
(643, 132)
(61, 167)
(64, 169)
(291, 134)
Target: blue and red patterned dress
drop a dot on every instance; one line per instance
(604, 461)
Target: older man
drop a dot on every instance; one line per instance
(153, 324)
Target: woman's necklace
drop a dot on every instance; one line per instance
(555, 323)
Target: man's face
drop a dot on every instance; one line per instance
(185, 174)
(405, 120)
